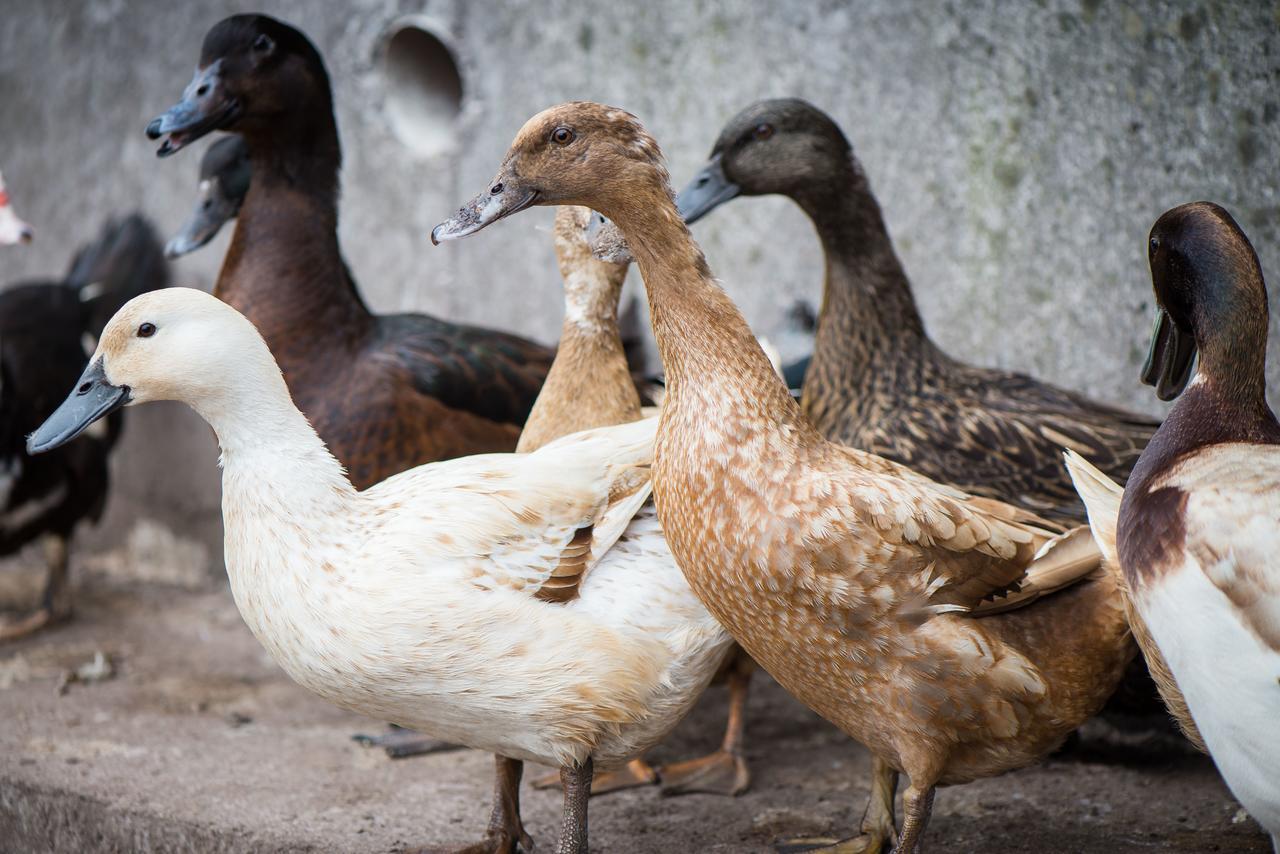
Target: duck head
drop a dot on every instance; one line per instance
(562, 156)
(786, 146)
(578, 253)
(175, 344)
(1210, 298)
(125, 260)
(256, 75)
(607, 241)
(12, 229)
(224, 181)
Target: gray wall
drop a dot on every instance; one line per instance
(1020, 151)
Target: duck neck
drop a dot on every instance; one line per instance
(1225, 403)
(589, 384)
(286, 236)
(707, 348)
(869, 326)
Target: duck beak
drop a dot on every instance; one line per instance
(93, 398)
(709, 189)
(1169, 358)
(211, 212)
(503, 199)
(205, 107)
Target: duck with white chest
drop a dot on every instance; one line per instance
(1198, 528)
(434, 599)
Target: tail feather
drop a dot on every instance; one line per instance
(1101, 496)
(1061, 562)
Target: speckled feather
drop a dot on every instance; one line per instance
(839, 578)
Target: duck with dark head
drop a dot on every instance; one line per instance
(854, 581)
(224, 181)
(876, 380)
(385, 392)
(1197, 528)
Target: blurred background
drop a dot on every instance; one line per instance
(1020, 152)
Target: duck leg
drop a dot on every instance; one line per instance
(505, 834)
(878, 829)
(917, 804)
(55, 601)
(576, 782)
(400, 743)
(634, 774)
(724, 772)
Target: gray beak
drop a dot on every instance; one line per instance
(92, 399)
(205, 107)
(1169, 358)
(502, 200)
(211, 212)
(708, 189)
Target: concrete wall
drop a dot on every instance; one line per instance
(1021, 152)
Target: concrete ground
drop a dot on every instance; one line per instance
(198, 743)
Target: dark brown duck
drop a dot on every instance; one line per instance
(385, 392)
(876, 380)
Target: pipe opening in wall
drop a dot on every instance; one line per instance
(424, 87)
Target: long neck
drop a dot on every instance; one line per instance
(709, 354)
(869, 318)
(284, 266)
(1226, 402)
(589, 384)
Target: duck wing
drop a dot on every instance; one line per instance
(939, 549)
(1232, 528)
(487, 373)
(535, 523)
(1001, 434)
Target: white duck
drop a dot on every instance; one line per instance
(12, 229)
(1198, 529)
(513, 603)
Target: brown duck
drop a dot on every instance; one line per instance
(876, 380)
(385, 392)
(848, 577)
(591, 385)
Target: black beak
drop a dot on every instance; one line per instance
(708, 190)
(503, 199)
(205, 107)
(92, 399)
(211, 212)
(1169, 358)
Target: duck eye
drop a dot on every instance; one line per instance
(563, 136)
(263, 43)
(1155, 245)
(764, 130)
(146, 330)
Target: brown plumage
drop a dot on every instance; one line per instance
(590, 385)
(385, 392)
(876, 380)
(845, 575)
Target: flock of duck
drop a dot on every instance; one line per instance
(904, 549)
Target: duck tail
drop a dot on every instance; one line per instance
(1101, 496)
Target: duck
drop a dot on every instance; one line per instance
(1196, 530)
(876, 380)
(12, 229)
(385, 392)
(519, 604)
(591, 384)
(224, 180)
(854, 581)
(44, 327)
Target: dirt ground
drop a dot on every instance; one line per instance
(198, 743)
